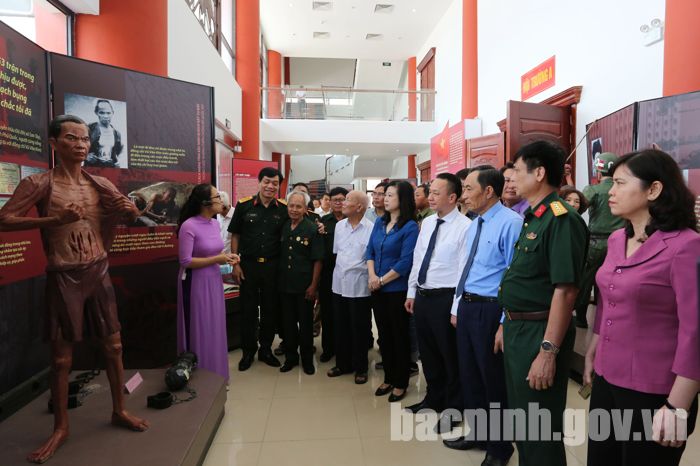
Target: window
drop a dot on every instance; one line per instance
(227, 31)
(49, 24)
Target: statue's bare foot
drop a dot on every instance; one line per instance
(124, 419)
(47, 450)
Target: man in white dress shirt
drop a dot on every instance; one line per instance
(431, 289)
(350, 292)
(224, 219)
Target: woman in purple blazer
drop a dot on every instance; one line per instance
(645, 349)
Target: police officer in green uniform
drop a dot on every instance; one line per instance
(299, 275)
(537, 294)
(326, 293)
(601, 223)
(255, 234)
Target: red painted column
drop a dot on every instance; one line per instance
(127, 33)
(248, 75)
(412, 166)
(470, 63)
(412, 87)
(274, 79)
(681, 42)
(412, 110)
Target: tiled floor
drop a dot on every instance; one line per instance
(294, 419)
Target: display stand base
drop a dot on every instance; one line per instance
(178, 436)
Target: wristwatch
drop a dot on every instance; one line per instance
(381, 281)
(549, 347)
(679, 412)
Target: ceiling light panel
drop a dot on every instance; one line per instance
(384, 8)
(322, 6)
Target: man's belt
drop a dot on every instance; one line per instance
(539, 315)
(475, 298)
(426, 292)
(260, 260)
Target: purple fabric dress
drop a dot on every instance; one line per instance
(201, 312)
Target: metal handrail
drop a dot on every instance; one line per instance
(348, 89)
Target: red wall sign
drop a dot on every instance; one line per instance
(447, 150)
(538, 79)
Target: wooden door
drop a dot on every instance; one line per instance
(486, 150)
(527, 122)
(424, 170)
(426, 68)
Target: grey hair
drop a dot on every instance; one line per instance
(224, 198)
(306, 197)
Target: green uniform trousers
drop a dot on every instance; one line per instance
(597, 249)
(522, 339)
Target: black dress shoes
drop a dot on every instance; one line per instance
(493, 461)
(383, 391)
(463, 444)
(269, 359)
(325, 357)
(288, 366)
(246, 362)
(445, 424)
(309, 368)
(394, 398)
(417, 407)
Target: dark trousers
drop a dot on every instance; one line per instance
(438, 348)
(521, 341)
(259, 294)
(325, 297)
(392, 324)
(611, 452)
(597, 249)
(352, 321)
(481, 372)
(298, 315)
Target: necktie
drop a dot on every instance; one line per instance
(470, 260)
(423, 272)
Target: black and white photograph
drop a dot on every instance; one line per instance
(596, 148)
(106, 119)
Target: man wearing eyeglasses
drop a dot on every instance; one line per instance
(377, 209)
(77, 216)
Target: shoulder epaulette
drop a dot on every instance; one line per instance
(282, 201)
(245, 199)
(558, 208)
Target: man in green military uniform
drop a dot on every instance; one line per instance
(255, 235)
(299, 275)
(537, 294)
(422, 208)
(601, 223)
(326, 293)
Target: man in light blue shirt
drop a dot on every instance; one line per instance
(475, 311)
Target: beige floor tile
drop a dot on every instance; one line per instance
(332, 452)
(311, 418)
(384, 452)
(245, 421)
(257, 382)
(233, 454)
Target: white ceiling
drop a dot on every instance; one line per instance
(289, 26)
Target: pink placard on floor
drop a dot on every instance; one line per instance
(133, 383)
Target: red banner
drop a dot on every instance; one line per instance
(245, 177)
(447, 150)
(440, 151)
(538, 79)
